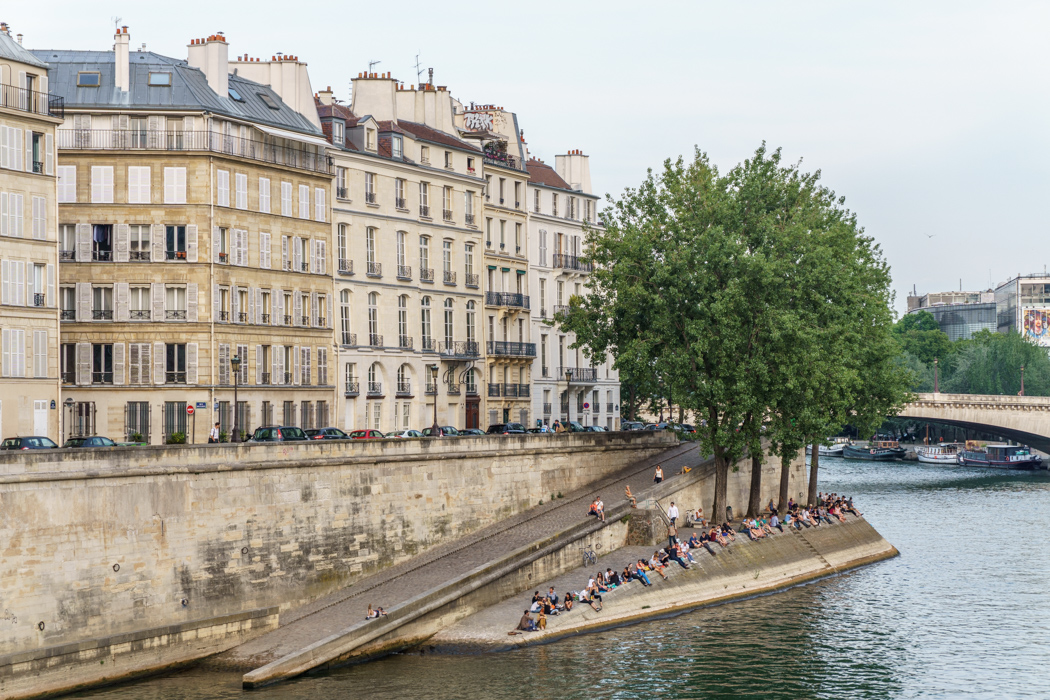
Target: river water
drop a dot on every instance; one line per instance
(963, 612)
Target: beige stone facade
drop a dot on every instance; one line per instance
(29, 390)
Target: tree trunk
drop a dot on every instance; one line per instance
(718, 513)
(814, 466)
(634, 403)
(681, 414)
(754, 499)
(785, 477)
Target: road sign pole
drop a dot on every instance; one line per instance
(194, 439)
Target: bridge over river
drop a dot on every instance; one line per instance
(1024, 419)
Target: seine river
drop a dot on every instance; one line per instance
(963, 612)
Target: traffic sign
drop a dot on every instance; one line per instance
(586, 406)
(189, 410)
(202, 404)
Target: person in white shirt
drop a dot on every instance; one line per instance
(213, 436)
(672, 513)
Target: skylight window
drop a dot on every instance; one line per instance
(268, 100)
(235, 95)
(159, 79)
(89, 79)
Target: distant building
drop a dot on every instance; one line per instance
(959, 314)
(1022, 304)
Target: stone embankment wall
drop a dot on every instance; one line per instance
(100, 544)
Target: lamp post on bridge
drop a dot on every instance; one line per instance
(936, 377)
(235, 365)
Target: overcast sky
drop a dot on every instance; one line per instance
(929, 117)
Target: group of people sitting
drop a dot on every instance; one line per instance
(597, 508)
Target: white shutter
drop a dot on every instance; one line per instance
(158, 301)
(5, 275)
(52, 300)
(278, 364)
(122, 301)
(258, 364)
(264, 250)
(284, 252)
(29, 148)
(314, 311)
(118, 363)
(5, 157)
(242, 250)
(83, 301)
(251, 304)
(242, 352)
(5, 218)
(322, 257)
(224, 364)
(5, 343)
(191, 243)
(123, 233)
(235, 302)
(191, 302)
(83, 243)
(25, 286)
(191, 363)
(297, 254)
(216, 306)
(329, 323)
(278, 306)
(134, 358)
(49, 154)
(295, 365)
(83, 363)
(313, 256)
(297, 308)
(158, 363)
(158, 243)
(215, 243)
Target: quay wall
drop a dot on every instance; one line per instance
(158, 542)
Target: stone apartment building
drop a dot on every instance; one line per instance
(29, 331)
(407, 257)
(194, 228)
(561, 206)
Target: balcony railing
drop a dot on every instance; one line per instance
(471, 280)
(287, 378)
(265, 377)
(428, 345)
(431, 389)
(404, 388)
(375, 340)
(469, 218)
(546, 409)
(579, 375)
(342, 193)
(69, 314)
(511, 299)
(404, 272)
(13, 97)
(608, 408)
(319, 322)
(101, 377)
(352, 389)
(161, 140)
(426, 274)
(465, 349)
(399, 203)
(450, 278)
(504, 161)
(346, 267)
(287, 320)
(571, 262)
(224, 258)
(374, 269)
(561, 309)
(494, 390)
(404, 342)
(472, 389)
(224, 316)
(70, 255)
(69, 377)
(102, 256)
(264, 319)
(424, 211)
(446, 214)
(102, 314)
(304, 320)
(175, 315)
(505, 348)
(174, 254)
(375, 388)
(140, 314)
(242, 317)
(304, 266)
(349, 338)
(370, 197)
(38, 299)
(453, 390)
(174, 377)
(139, 255)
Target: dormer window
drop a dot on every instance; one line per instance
(370, 139)
(159, 79)
(448, 159)
(470, 165)
(337, 131)
(424, 154)
(89, 79)
(395, 147)
(268, 101)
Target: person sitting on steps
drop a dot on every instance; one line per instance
(630, 496)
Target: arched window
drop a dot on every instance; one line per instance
(404, 384)
(448, 323)
(344, 317)
(471, 381)
(425, 273)
(370, 246)
(401, 262)
(375, 379)
(428, 342)
(470, 322)
(374, 339)
(341, 245)
(404, 341)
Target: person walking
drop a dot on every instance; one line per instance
(213, 436)
(672, 513)
(659, 476)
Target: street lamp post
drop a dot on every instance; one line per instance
(568, 398)
(67, 416)
(936, 377)
(235, 364)
(1022, 381)
(435, 431)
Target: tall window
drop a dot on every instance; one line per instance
(543, 247)
(264, 195)
(138, 184)
(425, 323)
(424, 254)
(373, 318)
(446, 256)
(502, 234)
(222, 184)
(399, 193)
(344, 316)
(468, 259)
(240, 182)
(370, 245)
(468, 205)
(341, 183)
(341, 243)
(543, 297)
(402, 319)
(448, 322)
(424, 199)
(370, 188)
(517, 238)
(304, 201)
(470, 321)
(401, 249)
(536, 201)
(175, 363)
(286, 199)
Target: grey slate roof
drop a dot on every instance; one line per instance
(13, 51)
(189, 88)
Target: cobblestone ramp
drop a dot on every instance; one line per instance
(305, 627)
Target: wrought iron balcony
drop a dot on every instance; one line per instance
(319, 322)
(431, 389)
(349, 339)
(462, 349)
(608, 408)
(224, 259)
(404, 272)
(304, 266)
(342, 193)
(242, 317)
(571, 262)
(506, 348)
(139, 255)
(264, 319)
(38, 299)
(69, 314)
(25, 100)
(370, 197)
(469, 218)
(305, 320)
(446, 214)
(140, 314)
(453, 390)
(174, 377)
(101, 377)
(346, 267)
(450, 278)
(494, 390)
(579, 375)
(175, 255)
(224, 316)
(287, 378)
(265, 378)
(472, 389)
(375, 340)
(546, 409)
(102, 256)
(69, 377)
(404, 389)
(374, 269)
(287, 320)
(404, 342)
(424, 211)
(471, 280)
(102, 314)
(509, 299)
(375, 388)
(561, 309)
(428, 345)
(426, 274)
(399, 203)
(352, 389)
(70, 255)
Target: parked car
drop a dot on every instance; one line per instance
(506, 429)
(30, 442)
(405, 434)
(93, 441)
(326, 434)
(366, 435)
(278, 433)
(471, 432)
(594, 429)
(445, 431)
(632, 425)
(539, 430)
(686, 428)
(657, 426)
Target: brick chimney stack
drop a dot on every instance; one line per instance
(212, 57)
(122, 57)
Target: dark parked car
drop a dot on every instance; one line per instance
(326, 434)
(540, 431)
(574, 427)
(278, 433)
(366, 435)
(471, 432)
(506, 429)
(445, 431)
(31, 442)
(93, 441)
(594, 429)
(686, 428)
(632, 425)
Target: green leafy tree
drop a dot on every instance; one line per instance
(991, 363)
(919, 335)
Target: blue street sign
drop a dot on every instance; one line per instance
(202, 404)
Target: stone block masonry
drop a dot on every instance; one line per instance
(105, 543)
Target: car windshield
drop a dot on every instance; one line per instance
(515, 426)
(293, 433)
(10, 442)
(74, 442)
(336, 431)
(314, 431)
(263, 434)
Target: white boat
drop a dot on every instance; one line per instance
(832, 450)
(947, 453)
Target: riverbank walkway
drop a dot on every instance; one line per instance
(307, 625)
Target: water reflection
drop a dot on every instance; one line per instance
(963, 611)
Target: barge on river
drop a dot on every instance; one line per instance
(877, 451)
(948, 453)
(1000, 457)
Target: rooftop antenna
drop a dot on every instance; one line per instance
(116, 23)
(372, 63)
(419, 70)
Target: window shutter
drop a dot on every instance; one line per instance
(191, 363)
(295, 365)
(297, 254)
(264, 250)
(314, 315)
(155, 125)
(322, 257)
(144, 362)
(158, 243)
(123, 233)
(258, 364)
(244, 247)
(158, 363)
(278, 305)
(251, 304)
(5, 275)
(216, 306)
(297, 308)
(224, 364)
(52, 300)
(5, 158)
(118, 362)
(83, 243)
(329, 322)
(5, 218)
(83, 363)
(5, 342)
(284, 252)
(134, 373)
(49, 154)
(236, 304)
(83, 301)
(191, 243)
(242, 352)
(122, 301)
(278, 364)
(29, 151)
(158, 301)
(180, 185)
(191, 302)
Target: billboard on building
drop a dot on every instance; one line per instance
(1034, 325)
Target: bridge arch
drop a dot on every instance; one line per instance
(1024, 419)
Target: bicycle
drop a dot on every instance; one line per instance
(590, 558)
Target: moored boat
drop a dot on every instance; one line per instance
(878, 451)
(947, 453)
(1000, 457)
(833, 450)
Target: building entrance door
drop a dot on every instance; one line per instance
(506, 415)
(40, 418)
(473, 409)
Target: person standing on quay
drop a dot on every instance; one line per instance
(672, 514)
(213, 436)
(659, 476)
